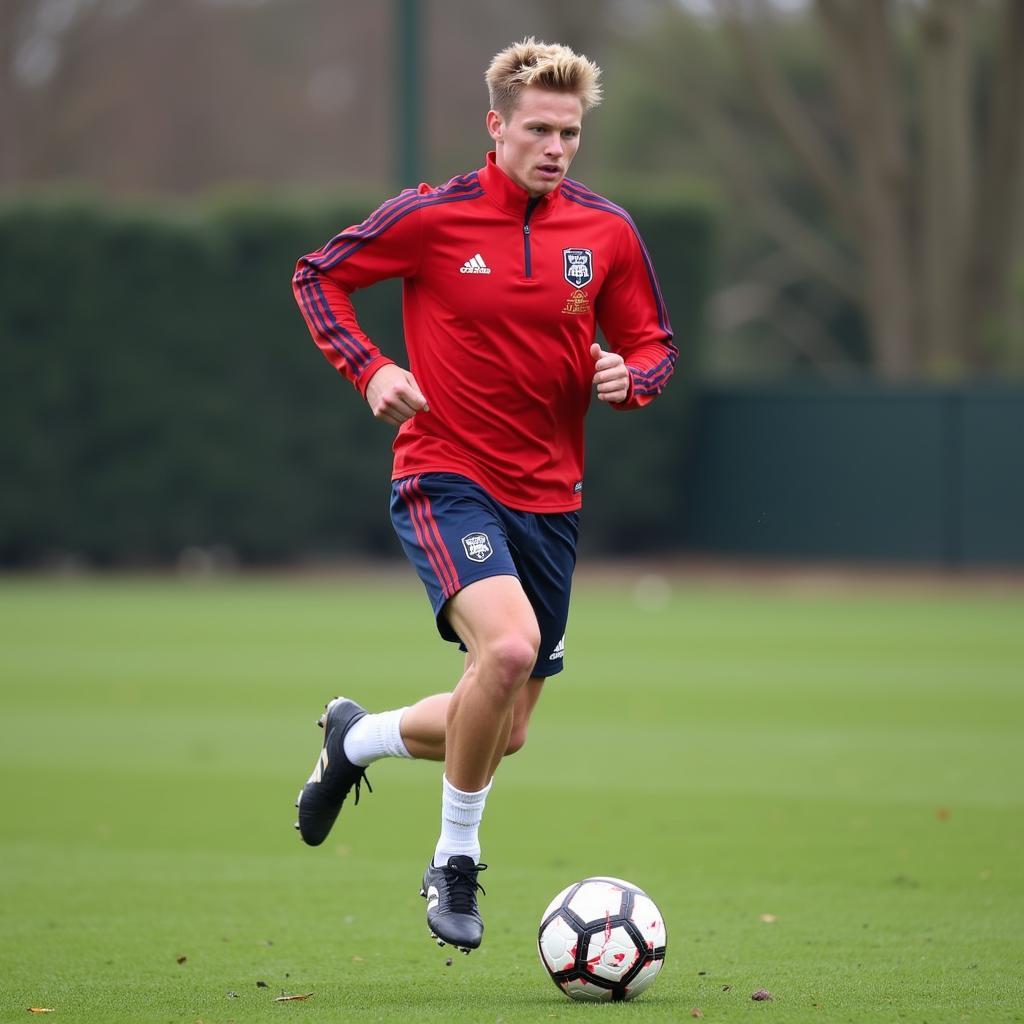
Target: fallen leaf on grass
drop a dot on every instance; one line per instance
(39, 1009)
(292, 999)
(727, 988)
(943, 813)
(357, 959)
(696, 1012)
(769, 918)
(762, 995)
(181, 959)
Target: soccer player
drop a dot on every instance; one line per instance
(507, 272)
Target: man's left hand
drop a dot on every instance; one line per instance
(611, 375)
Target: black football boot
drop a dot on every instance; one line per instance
(450, 892)
(333, 776)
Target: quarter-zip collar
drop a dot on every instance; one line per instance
(507, 195)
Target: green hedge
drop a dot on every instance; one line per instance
(158, 389)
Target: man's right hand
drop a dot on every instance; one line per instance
(394, 396)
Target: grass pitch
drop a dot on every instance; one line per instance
(822, 791)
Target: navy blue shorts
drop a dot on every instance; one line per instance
(455, 533)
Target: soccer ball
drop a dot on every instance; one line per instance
(602, 940)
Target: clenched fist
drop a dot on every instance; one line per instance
(394, 396)
(611, 375)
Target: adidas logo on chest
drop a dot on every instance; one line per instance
(475, 265)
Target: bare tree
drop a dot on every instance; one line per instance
(998, 199)
(931, 221)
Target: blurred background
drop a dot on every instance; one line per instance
(832, 190)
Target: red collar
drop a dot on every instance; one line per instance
(507, 195)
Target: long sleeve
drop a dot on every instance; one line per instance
(633, 317)
(385, 245)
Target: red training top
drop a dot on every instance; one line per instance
(502, 296)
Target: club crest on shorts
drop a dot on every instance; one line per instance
(578, 266)
(477, 546)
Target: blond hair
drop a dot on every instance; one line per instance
(544, 65)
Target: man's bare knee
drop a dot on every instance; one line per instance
(506, 663)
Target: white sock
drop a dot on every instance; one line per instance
(376, 736)
(460, 823)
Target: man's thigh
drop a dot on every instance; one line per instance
(452, 532)
(455, 534)
(544, 548)
(491, 610)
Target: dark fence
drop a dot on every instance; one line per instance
(159, 391)
(928, 476)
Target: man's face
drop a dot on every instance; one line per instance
(536, 144)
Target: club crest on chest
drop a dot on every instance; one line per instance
(578, 266)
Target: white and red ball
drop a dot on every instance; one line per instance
(602, 940)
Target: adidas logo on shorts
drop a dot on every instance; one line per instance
(559, 651)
